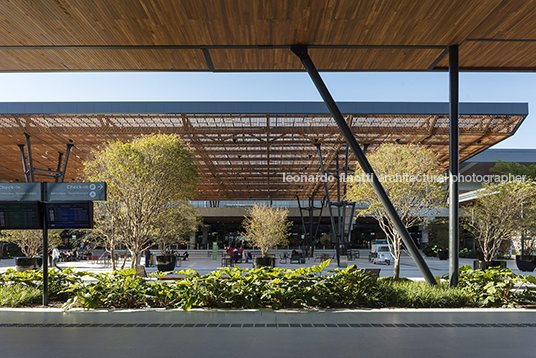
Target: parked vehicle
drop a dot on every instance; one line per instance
(379, 252)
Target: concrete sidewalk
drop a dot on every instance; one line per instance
(263, 333)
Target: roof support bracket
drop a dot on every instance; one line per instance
(30, 171)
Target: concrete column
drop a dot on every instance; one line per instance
(192, 241)
(204, 230)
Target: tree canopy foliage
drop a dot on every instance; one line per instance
(144, 177)
(31, 241)
(410, 176)
(266, 227)
(515, 169)
(501, 210)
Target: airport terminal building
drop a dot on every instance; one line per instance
(252, 152)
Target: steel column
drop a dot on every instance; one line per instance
(45, 249)
(454, 166)
(69, 146)
(21, 146)
(57, 177)
(30, 160)
(301, 52)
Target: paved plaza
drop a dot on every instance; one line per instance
(201, 263)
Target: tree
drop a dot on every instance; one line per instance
(266, 227)
(177, 223)
(143, 178)
(107, 230)
(501, 210)
(410, 176)
(31, 241)
(515, 169)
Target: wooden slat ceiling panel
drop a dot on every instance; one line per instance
(242, 22)
(102, 59)
(374, 59)
(521, 55)
(241, 156)
(233, 30)
(254, 60)
(325, 59)
(511, 20)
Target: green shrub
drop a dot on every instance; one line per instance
(32, 281)
(17, 295)
(496, 287)
(406, 293)
(267, 287)
(430, 250)
(468, 254)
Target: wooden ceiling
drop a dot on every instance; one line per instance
(242, 156)
(256, 35)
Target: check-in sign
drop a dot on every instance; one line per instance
(76, 191)
(20, 191)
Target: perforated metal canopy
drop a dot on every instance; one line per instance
(245, 150)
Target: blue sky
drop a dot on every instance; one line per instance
(192, 86)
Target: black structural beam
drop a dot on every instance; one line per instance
(62, 177)
(24, 167)
(301, 52)
(341, 228)
(454, 166)
(45, 248)
(30, 160)
(30, 171)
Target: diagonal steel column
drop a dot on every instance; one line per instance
(21, 147)
(301, 52)
(454, 166)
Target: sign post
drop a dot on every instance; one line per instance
(26, 206)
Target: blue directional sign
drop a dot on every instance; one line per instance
(20, 191)
(75, 191)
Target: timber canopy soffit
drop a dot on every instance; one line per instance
(244, 35)
(244, 148)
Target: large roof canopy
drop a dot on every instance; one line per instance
(244, 149)
(245, 35)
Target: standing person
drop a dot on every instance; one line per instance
(147, 257)
(55, 258)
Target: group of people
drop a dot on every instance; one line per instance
(237, 254)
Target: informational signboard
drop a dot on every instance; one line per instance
(20, 191)
(69, 215)
(75, 192)
(20, 215)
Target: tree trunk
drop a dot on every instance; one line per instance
(112, 254)
(396, 267)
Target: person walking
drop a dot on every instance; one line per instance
(55, 258)
(147, 258)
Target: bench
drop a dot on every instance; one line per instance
(322, 257)
(295, 259)
(373, 272)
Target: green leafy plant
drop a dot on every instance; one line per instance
(495, 287)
